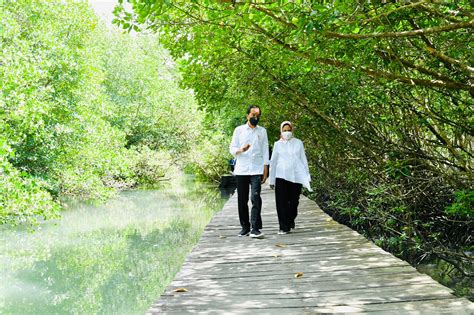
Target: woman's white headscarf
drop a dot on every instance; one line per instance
(286, 122)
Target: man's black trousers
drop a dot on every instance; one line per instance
(243, 183)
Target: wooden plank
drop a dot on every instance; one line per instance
(341, 271)
(454, 306)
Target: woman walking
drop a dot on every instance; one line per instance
(288, 173)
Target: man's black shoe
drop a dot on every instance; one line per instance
(256, 234)
(244, 232)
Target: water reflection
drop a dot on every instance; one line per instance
(113, 258)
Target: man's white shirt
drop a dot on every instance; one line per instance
(252, 161)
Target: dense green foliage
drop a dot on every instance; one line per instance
(84, 109)
(380, 92)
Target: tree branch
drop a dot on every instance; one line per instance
(450, 60)
(279, 19)
(411, 5)
(392, 56)
(371, 72)
(419, 32)
(438, 13)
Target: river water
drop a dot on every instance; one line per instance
(110, 258)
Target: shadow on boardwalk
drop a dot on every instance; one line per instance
(323, 267)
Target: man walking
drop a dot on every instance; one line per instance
(249, 146)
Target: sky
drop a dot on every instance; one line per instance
(104, 8)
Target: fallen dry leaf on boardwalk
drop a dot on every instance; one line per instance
(180, 290)
(298, 275)
(280, 245)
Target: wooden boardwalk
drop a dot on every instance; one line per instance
(323, 267)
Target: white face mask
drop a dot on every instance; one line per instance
(287, 135)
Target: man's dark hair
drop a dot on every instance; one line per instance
(254, 106)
